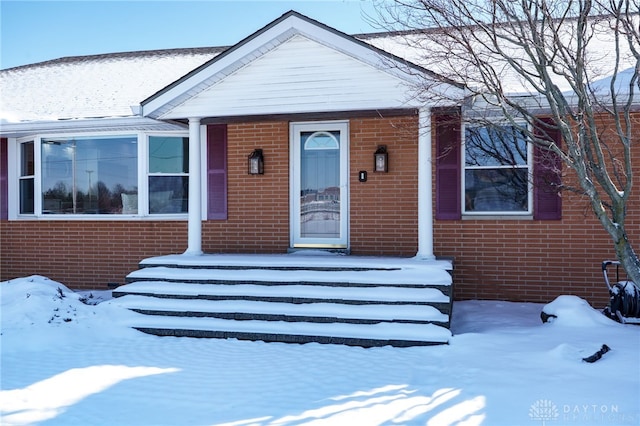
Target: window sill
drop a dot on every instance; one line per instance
(110, 217)
(471, 216)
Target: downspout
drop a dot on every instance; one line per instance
(194, 243)
(425, 191)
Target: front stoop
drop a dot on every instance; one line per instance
(360, 301)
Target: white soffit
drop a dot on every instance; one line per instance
(294, 65)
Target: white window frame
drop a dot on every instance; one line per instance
(15, 174)
(295, 129)
(143, 202)
(14, 154)
(464, 168)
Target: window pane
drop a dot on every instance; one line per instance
(168, 194)
(26, 196)
(88, 175)
(320, 185)
(27, 161)
(168, 154)
(496, 190)
(495, 146)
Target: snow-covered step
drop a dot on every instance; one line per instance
(293, 298)
(404, 277)
(283, 292)
(273, 311)
(367, 335)
(304, 260)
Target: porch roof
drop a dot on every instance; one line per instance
(295, 65)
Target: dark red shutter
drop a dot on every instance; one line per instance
(4, 163)
(217, 171)
(448, 173)
(547, 176)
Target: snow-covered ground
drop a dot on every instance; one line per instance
(65, 362)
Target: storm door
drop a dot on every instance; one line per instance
(319, 177)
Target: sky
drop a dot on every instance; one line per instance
(35, 31)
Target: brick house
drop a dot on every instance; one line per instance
(109, 159)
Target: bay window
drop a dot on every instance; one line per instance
(100, 175)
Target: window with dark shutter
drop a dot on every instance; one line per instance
(448, 169)
(217, 171)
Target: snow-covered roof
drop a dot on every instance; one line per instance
(104, 91)
(95, 86)
(444, 55)
(76, 92)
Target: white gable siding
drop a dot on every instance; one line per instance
(300, 75)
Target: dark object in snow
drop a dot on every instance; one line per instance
(545, 317)
(624, 297)
(593, 358)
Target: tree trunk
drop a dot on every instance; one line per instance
(628, 258)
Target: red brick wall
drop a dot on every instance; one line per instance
(383, 209)
(258, 205)
(85, 254)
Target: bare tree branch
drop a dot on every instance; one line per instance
(523, 62)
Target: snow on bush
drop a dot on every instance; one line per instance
(573, 311)
(36, 300)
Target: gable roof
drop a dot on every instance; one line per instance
(340, 51)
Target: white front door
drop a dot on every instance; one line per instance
(319, 184)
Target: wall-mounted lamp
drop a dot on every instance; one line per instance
(381, 159)
(256, 162)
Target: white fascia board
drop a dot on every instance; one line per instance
(235, 58)
(85, 125)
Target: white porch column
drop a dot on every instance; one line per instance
(425, 195)
(194, 243)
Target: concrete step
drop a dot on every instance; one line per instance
(303, 260)
(366, 335)
(296, 299)
(347, 278)
(289, 293)
(279, 311)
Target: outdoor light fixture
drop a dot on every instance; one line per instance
(381, 159)
(256, 162)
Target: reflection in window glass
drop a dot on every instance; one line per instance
(26, 196)
(496, 170)
(27, 159)
(27, 170)
(495, 146)
(320, 184)
(88, 175)
(168, 154)
(168, 174)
